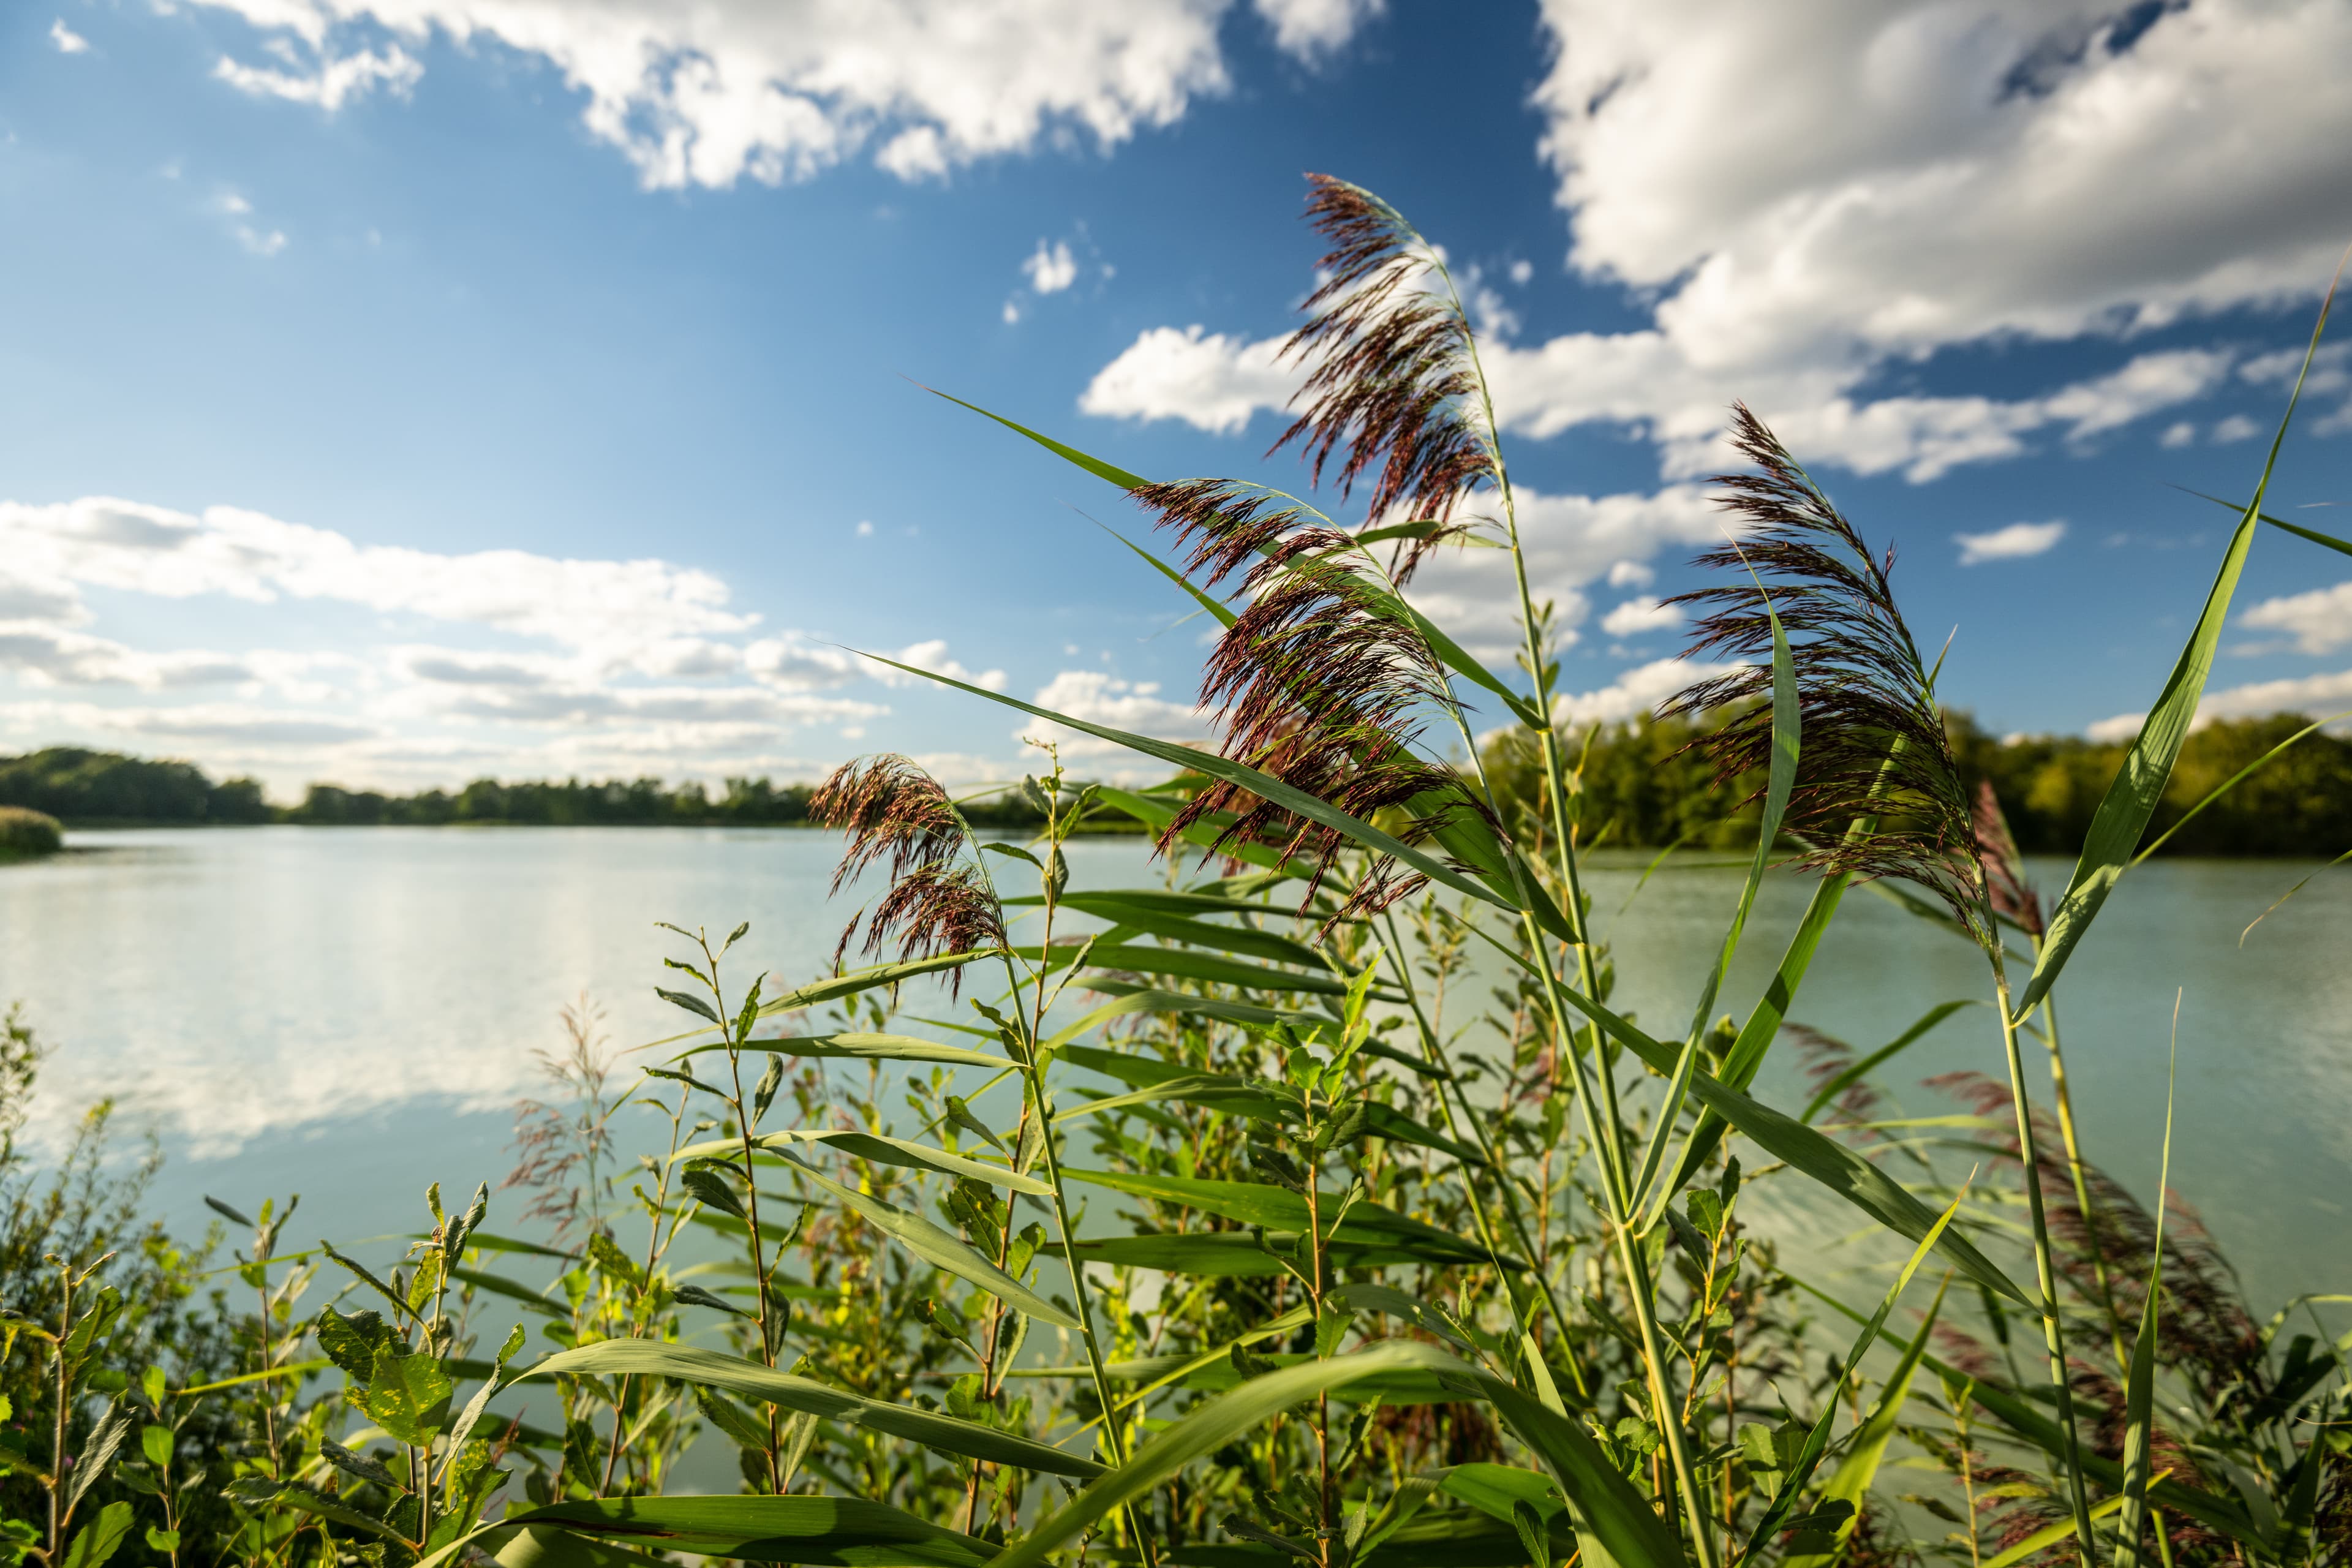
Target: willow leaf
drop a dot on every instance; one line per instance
(749, 1379)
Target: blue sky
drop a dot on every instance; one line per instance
(400, 391)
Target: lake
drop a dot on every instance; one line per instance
(352, 1013)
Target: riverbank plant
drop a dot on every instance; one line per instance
(1316, 1203)
(28, 834)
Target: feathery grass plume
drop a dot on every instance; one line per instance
(1319, 682)
(936, 902)
(1392, 389)
(1874, 741)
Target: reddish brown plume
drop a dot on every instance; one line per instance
(894, 812)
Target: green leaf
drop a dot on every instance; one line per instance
(1227, 1254)
(881, 1151)
(548, 1546)
(711, 1189)
(1826, 1160)
(1224, 615)
(2021, 1416)
(98, 1452)
(849, 1531)
(1277, 1209)
(408, 1395)
(1144, 959)
(2138, 786)
(94, 1542)
(1132, 999)
(531, 1301)
(1850, 1482)
(1619, 1520)
(1239, 1097)
(691, 1003)
(1800, 1470)
(940, 1248)
(1206, 1427)
(2140, 1378)
(750, 1380)
(866, 1048)
(351, 1341)
(1265, 786)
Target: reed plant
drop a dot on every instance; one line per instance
(1316, 1203)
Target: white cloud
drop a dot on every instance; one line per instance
(714, 93)
(1635, 616)
(1100, 698)
(2180, 434)
(326, 81)
(2236, 427)
(2014, 542)
(1213, 382)
(1312, 29)
(52, 656)
(933, 655)
(1051, 270)
(1630, 575)
(2313, 696)
(1637, 692)
(1858, 179)
(67, 41)
(1644, 381)
(2318, 620)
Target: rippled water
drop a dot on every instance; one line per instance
(351, 1013)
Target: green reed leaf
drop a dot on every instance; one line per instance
(1279, 1209)
(1209, 602)
(1238, 1254)
(546, 1546)
(1850, 1482)
(940, 1249)
(1186, 964)
(2131, 799)
(865, 1047)
(1825, 1159)
(849, 1531)
(1801, 1471)
(1207, 1428)
(2140, 1376)
(882, 1151)
(750, 1380)
(1239, 1097)
(2022, 1416)
(1133, 999)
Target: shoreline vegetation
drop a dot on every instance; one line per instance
(1304, 1243)
(1649, 783)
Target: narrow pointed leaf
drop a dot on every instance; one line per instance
(748, 1379)
(880, 1149)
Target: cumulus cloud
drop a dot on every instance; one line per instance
(2318, 620)
(777, 90)
(2314, 696)
(1635, 693)
(1865, 179)
(933, 655)
(2014, 542)
(1646, 382)
(1102, 697)
(543, 660)
(1312, 29)
(67, 41)
(1213, 382)
(1635, 616)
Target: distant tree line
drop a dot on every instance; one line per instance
(87, 788)
(1645, 786)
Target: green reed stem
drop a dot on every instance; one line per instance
(2045, 1272)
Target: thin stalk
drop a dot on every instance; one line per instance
(2074, 1170)
(58, 1428)
(2045, 1273)
(1610, 1147)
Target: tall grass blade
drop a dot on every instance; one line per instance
(748, 1379)
(2123, 815)
(814, 1530)
(881, 1149)
(2139, 1378)
(1800, 1472)
(939, 1247)
(1850, 1482)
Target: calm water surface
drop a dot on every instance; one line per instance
(350, 1013)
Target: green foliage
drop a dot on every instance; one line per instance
(26, 834)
